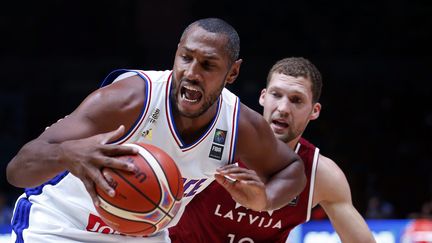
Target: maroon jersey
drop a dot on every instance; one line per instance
(212, 216)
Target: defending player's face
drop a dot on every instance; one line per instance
(288, 106)
(201, 70)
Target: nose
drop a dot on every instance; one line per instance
(284, 107)
(192, 71)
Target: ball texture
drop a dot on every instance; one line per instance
(148, 199)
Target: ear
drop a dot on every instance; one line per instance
(261, 98)
(315, 111)
(234, 72)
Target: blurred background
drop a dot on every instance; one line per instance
(375, 58)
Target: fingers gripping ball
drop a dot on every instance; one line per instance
(147, 200)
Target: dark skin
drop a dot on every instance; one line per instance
(78, 143)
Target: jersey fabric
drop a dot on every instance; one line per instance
(213, 216)
(61, 209)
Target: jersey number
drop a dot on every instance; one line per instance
(242, 240)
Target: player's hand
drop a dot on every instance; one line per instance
(244, 185)
(84, 158)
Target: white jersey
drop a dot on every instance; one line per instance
(61, 210)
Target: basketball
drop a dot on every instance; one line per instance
(147, 200)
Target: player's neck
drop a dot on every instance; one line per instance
(293, 143)
(190, 129)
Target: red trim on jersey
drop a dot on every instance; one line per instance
(167, 109)
(148, 91)
(233, 132)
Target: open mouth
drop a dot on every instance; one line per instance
(279, 124)
(190, 94)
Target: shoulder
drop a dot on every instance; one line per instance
(156, 76)
(330, 183)
(120, 101)
(328, 168)
(150, 76)
(121, 93)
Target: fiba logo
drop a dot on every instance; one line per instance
(217, 150)
(219, 136)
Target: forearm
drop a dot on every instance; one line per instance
(36, 162)
(357, 232)
(348, 223)
(285, 185)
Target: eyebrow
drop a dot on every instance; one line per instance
(207, 55)
(294, 90)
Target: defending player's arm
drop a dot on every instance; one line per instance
(333, 193)
(77, 143)
(274, 162)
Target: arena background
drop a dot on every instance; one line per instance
(376, 121)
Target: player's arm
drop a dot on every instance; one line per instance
(281, 170)
(333, 193)
(77, 143)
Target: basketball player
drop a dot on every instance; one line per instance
(290, 101)
(186, 111)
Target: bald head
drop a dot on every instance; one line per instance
(219, 26)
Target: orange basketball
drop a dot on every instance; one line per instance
(147, 200)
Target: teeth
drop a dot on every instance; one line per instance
(190, 88)
(188, 100)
